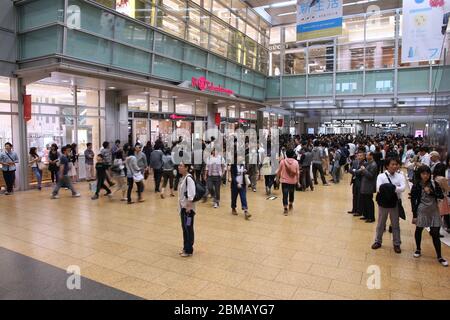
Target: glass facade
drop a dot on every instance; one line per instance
(226, 27)
(364, 60)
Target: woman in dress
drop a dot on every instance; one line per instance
(425, 195)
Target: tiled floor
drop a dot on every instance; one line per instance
(318, 252)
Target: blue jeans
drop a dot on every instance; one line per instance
(38, 174)
(242, 192)
(187, 224)
(288, 193)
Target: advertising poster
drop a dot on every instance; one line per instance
(422, 30)
(126, 7)
(318, 19)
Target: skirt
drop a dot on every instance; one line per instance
(428, 216)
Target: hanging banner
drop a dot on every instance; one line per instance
(27, 107)
(422, 36)
(318, 19)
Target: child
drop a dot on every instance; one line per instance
(101, 169)
(424, 202)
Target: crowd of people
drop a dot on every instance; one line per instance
(374, 164)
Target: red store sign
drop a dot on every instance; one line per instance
(203, 84)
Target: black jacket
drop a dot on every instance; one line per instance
(416, 195)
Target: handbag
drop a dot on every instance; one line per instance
(444, 206)
(138, 177)
(41, 166)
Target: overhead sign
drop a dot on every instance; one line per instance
(319, 19)
(203, 84)
(422, 36)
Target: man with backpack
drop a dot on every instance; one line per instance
(390, 186)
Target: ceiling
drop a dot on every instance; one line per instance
(283, 12)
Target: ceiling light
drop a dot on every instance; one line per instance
(286, 14)
(283, 4)
(111, 88)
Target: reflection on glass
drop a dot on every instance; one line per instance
(290, 34)
(350, 57)
(5, 89)
(380, 26)
(321, 58)
(295, 60)
(221, 11)
(218, 46)
(219, 29)
(138, 103)
(51, 94)
(198, 37)
(352, 30)
(89, 98)
(170, 24)
(380, 54)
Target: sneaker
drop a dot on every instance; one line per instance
(254, 189)
(363, 218)
(130, 202)
(185, 255)
(326, 185)
(162, 196)
(443, 262)
(141, 200)
(370, 221)
(247, 215)
(417, 254)
(291, 207)
(397, 249)
(234, 212)
(76, 195)
(285, 211)
(172, 195)
(215, 206)
(94, 197)
(351, 212)
(376, 246)
(108, 194)
(124, 199)
(54, 196)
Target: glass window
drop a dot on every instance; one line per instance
(412, 64)
(222, 111)
(145, 11)
(49, 94)
(175, 6)
(87, 47)
(295, 60)
(185, 108)
(154, 105)
(221, 11)
(88, 131)
(352, 30)
(90, 18)
(237, 40)
(250, 60)
(198, 17)
(252, 17)
(170, 23)
(321, 57)
(380, 54)
(167, 106)
(107, 3)
(219, 29)
(350, 57)
(252, 33)
(167, 68)
(275, 64)
(34, 14)
(216, 64)
(290, 34)
(5, 89)
(168, 46)
(200, 110)
(131, 58)
(275, 35)
(132, 33)
(43, 130)
(137, 103)
(197, 36)
(218, 46)
(5, 130)
(380, 26)
(238, 7)
(41, 42)
(88, 98)
(349, 83)
(235, 54)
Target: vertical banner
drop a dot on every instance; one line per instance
(422, 36)
(318, 19)
(27, 107)
(217, 119)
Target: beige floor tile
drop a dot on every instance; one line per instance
(227, 278)
(317, 258)
(140, 288)
(139, 270)
(344, 275)
(172, 294)
(220, 292)
(106, 260)
(179, 265)
(102, 275)
(404, 296)
(303, 280)
(266, 287)
(308, 294)
(143, 256)
(433, 292)
(358, 292)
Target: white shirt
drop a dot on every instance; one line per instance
(351, 149)
(187, 184)
(425, 159)
(372, 148)
(398, 179)
(297, 151)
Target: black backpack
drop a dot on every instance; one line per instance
(200, 190)
(343, 158)
(386, 196)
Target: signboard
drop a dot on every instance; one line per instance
(126, 7)
(319, 19)
(422, 36)
(203, 84)
(418, 134)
